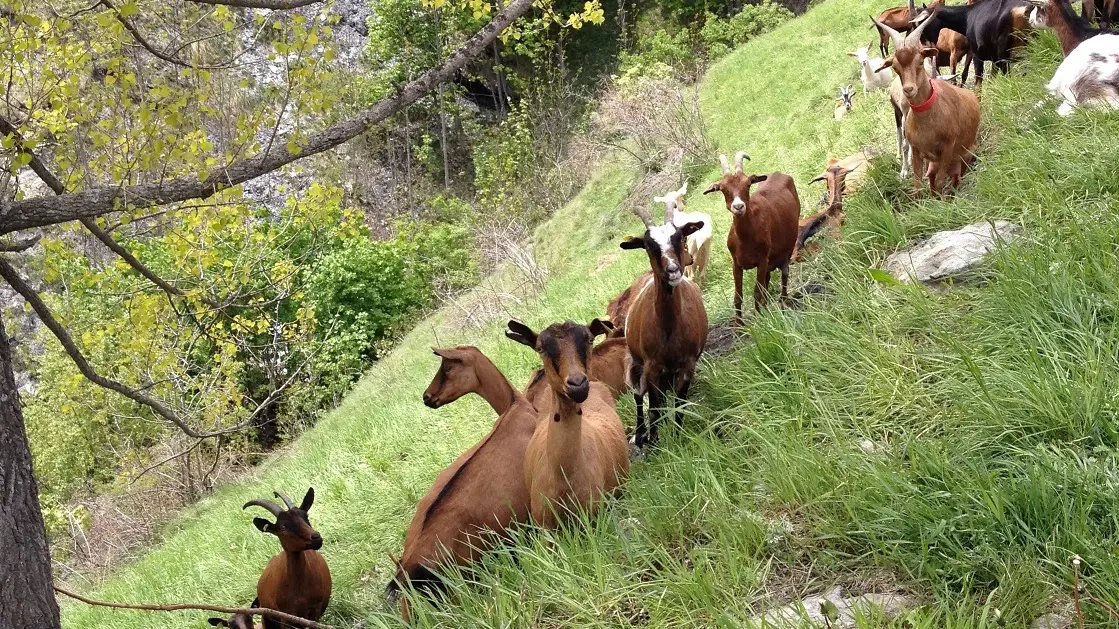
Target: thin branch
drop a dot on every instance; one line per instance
(220, 609)
(163, 461)
(140, 39)
(17, 246)
(276, 5)
(96, 201)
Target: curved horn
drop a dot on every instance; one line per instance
(896, 37)
(287, 501)
(738, 157)
(725, 164)
(914, 36)
(669, 210)
(267, 505)
(643, 214)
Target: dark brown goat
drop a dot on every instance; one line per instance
(830, 219)
(297, 580)
(764, 230)
(666, 325)
(606, 365)
(477, 498)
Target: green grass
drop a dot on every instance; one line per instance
(994, 409)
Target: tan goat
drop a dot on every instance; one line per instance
(578, 454)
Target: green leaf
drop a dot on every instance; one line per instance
(882, 277)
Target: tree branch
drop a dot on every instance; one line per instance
(140, 39)
(94, 202)
(277, 5)
(17, 246)
(171, 607)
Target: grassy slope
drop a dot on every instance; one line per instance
(993, 409)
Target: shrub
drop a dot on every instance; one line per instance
(720, 35)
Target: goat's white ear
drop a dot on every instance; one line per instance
(632, 242)
(521, 333)
(712, 188)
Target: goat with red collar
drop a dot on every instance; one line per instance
(943, 119)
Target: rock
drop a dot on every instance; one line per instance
(1052, 621)
(842, 610)
(950, 254)
(628, 527)
(867, 446)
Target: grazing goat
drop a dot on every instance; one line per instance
(943, 120)
(666, 325)
(618, 308)
(607, 365)
(699, 243)
(238, 621)
(764, 229)
(855, 167)
(845, 103)
(577, 455)
(896, 18)
(868, 71)
(830, 219)
(953, 47)
(993, 29)
(481, 494)
(297, 580)
(1058, 15)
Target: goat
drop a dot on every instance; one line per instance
(238, 621)
(993, 29)
(618, 308)
(831, 218)
(666, 325)
(764, 227)
(607, 365)
(1089, 75)
(479, 496)
(953, 47)
(844, 106)
(297, 580)
(1108, 14)
(465, 369)
(896, 18)
(868, 70)
(699, 243)
(855, 167)
(1058, 15)
(943, 122)
(577, 455)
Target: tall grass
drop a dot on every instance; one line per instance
(958, 446)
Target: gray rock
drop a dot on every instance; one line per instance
(1052, 621)
(810, 613)
(950, 254)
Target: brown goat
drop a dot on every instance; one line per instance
(952, 47)
(297, 580)
(764, 230)
(578, 454)
(465, 369)
(896, 18)
(666, 325)
(478, 496)
(943, 120)
(607, 365)
(830, 219)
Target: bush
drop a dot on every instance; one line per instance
(720, 36)
(660, 55)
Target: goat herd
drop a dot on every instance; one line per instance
(559, 448)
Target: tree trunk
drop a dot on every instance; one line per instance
(26, 597)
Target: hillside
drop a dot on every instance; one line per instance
(992, 409)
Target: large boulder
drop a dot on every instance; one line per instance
(950, 254)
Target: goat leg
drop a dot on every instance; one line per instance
(784, 267)
(737, 294)
(761, 285)
(656, 405)
(918, 167)
(683, 385)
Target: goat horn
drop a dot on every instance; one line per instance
(267, 505)
(725, 164)
(644, 215)
(898, 38)
(287, 501)
(669, 211)
(914, 36)
(738, 157)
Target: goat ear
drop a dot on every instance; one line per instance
(851, 54)
(929, 51)
(715, 187)
(308, 499)
(218, 622)
(598, 327)
(887, 63)
(691, 228)
(263, 525)
(447, 354)
(758, 178)
(521, 333)
(659, 199)
(632, 242)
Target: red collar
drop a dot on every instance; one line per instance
(925, 106)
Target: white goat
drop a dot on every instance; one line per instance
(869, 71)
(1089, 75)
(699, 243)
(844, 106)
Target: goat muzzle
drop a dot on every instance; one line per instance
(578, 388)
